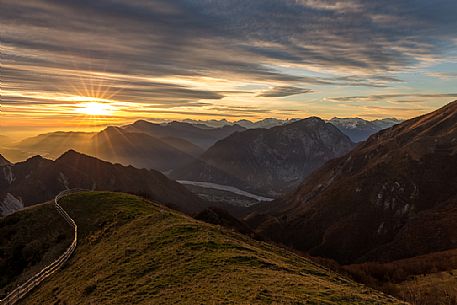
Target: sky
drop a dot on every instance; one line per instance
(84, 64)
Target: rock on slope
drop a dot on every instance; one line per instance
(38, 180)
(135, 252)
(393, 196)
(268, 161)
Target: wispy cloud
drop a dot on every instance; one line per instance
(378, 97)
(283, 91)
(190, 56)
(443, 75)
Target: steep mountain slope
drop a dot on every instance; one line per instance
(3, 161)
(37, 180)
(184, 146)
(394, 196)
(203, 137)
(141, 150)
(131, 251)
(268, 161)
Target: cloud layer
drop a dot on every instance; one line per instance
(192, 55)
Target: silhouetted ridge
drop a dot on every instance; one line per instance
(38, 180)
(4, 161)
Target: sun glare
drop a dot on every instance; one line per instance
(95, 108)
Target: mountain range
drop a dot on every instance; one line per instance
(357, 129)
(164, 147)
(141, 150)
(392, 197)
(264, 123)
(384, 208)
(37, 180)
(201, 136)
(268, 161)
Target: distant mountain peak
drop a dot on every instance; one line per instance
(72, 154)
(35, 158)
(112, 129)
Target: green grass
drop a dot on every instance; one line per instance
(133, 251)
(29, 240)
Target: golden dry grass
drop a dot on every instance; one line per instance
(435, 288)
(136, 252)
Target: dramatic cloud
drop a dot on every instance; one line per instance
(192, 56)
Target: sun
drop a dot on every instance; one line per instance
(95, 109)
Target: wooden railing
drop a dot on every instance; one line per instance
(14, 296)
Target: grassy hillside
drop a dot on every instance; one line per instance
(434, 288)
(30, 240)
(426, 279)
(136, 252)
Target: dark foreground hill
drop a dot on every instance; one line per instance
(132, 251)
(392, 197)
(38, 180)
(268, 161)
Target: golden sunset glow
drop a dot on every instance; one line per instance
(71, 76)
(95, 109)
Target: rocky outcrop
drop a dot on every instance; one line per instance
(10, 204)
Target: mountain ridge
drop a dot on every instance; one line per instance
(38, 180)
(4, 161)
(392, 197)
